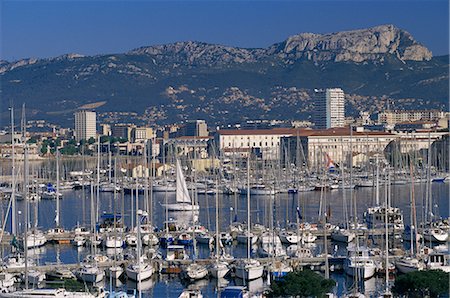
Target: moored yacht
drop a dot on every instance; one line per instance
(90, 273)
(249, 269)
(359, 262)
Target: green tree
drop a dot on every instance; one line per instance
(305, 283)
(69, 150)
(431, 283)
(91, 141)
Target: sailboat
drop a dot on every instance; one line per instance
(343, 234)
(183, 199)
(412, 262)
(219, 268)
(89, 271)
(249, 269)
(139, 271)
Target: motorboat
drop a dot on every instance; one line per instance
(79, 240)
(289, 237)
(343, 235)
(59, 274)
(270, 246)
(439, 259)
(358, 262)
(249, 269)
(435, 235)
(35, 238)
(113, 241)
(140, 271)
(409, 264)
(90, 273)
(296, 251)
(195, 271)
(375, 218)
(219, 269)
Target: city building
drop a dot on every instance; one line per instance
(140, 134)
(329, 108)
(313, 147)
(106, 129)
(123, 131)
(396, 116)
(196, 128)
(265, 142)
(85, 125)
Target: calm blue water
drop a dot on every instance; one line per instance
(74, 211)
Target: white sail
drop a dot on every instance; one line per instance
(182, 190)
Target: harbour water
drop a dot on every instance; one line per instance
(75, 211)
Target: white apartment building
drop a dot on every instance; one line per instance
(85, 125)
(241, 141)
(341, 145)
(415, 141)
(329, 108)
(398, 116)
(140, 134)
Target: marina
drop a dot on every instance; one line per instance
(141, 213)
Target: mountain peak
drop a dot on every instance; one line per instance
(355, 45)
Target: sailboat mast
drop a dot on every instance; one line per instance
(377, 183)
(57, 188)
(13, 182)
(386, 238)
(98, 180)
(248, 206)
(25, 191)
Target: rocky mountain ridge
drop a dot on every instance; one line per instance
(187, 80)
(355, 45)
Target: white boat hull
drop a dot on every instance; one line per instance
(219, 270)
(136, 274)
(364, 272)
(182, 207)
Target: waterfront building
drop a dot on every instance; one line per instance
(329, 108)
(122, 130)
(338, 144)
(396, 116)
(106, 129)
(264, 142)
(197, 128)
(140, 134)
(192, 128)
(85, 125)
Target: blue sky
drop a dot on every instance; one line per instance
(52, 28)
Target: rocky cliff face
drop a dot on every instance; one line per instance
(219, 83)
(355, 45)
(372, 44)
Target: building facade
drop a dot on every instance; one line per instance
(239, 142)
(196, 128)
(397, 116)
(140, 134)
(85, 125)
(329, 108)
